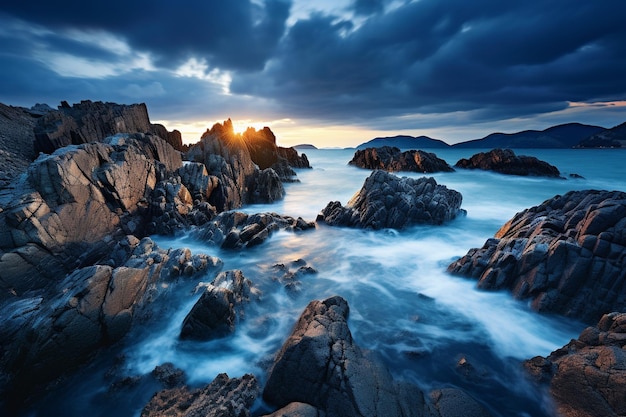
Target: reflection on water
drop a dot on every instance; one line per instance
(428, 327)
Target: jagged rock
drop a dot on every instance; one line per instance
(168, 375)
(587, 377)
(320, 365)
(293, 159)
(234, 230)
(16, 142)
(197, 179)
(65, 212)
(89, 121)
(92, 307)
(505, 161)
(216, 312)
(392, 159)
(566, 255)
(297, 409)
(224, 397)
(386, 200)
(452, 402)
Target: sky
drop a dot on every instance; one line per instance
(334, 73)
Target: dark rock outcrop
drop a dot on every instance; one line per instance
(506, 162)
(89, 121)
(65, 212)
(218, 309)
(293, 159)
(224, 397)
(587, 377)
(386, 200)
(566, 255)
(234, 230)
(609, 138)
(227, 156)
(320, 365)
(393, 159)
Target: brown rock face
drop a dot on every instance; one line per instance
(566, 255)
(505, 161)
(587, 377)
(89, 121)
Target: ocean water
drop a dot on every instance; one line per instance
(428, 327)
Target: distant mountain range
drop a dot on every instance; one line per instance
(570, 135)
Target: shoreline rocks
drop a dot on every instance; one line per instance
(388, 201)
(587, 377)
(566, 255)
(392, 159)
(504, 161)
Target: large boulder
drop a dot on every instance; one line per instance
(392, 159)
(388, 201)
(505, 161)
(320, 365)
(16, 142)
(587, 377)
(223, 397)
(566, 255)
(89, 121)
(293, 159)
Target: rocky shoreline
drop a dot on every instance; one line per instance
(78, 269)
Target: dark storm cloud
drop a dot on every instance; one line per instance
(233, 34)
(498, 59)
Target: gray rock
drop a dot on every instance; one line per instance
(387, 201)
(392, 159)
(565, 255)
(224, 397)
(218, 309)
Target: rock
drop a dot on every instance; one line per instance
(587, 377)
(69, 207)
(392, 159)
(387, 201)
(297, 409)
(566, 255)
(452, 402)
(16, 142)
(224, 397)
(320, 365)
(216, 312)
(89, 121)
(505, 161)
(168, 375)
(235, 230)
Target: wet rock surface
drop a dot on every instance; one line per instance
(392, 159)
(505, 161)
(587, 377)
(565, 255)
(388, 201)
(223, 397)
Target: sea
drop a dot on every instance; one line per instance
(428, 327)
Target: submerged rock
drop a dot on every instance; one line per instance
(587, 377)
(505, 161)
(392, 159)
(566, 255)
(223, 397)
(386, 200)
